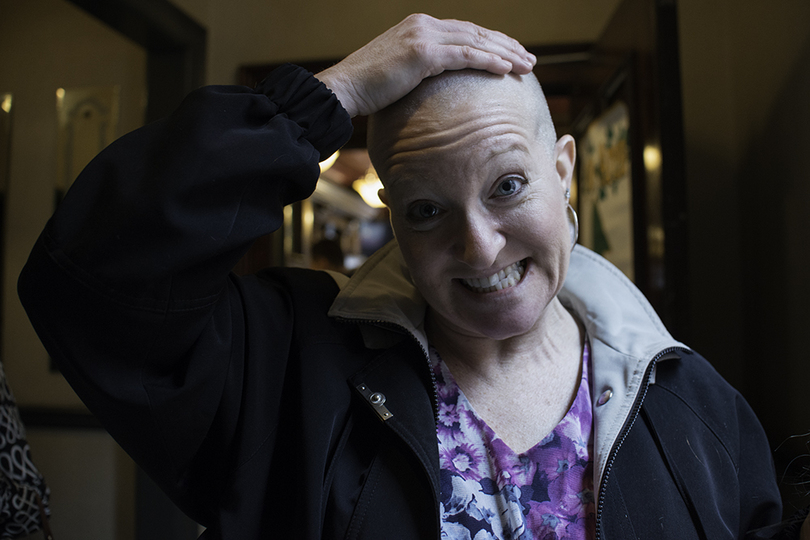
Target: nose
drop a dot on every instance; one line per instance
(479, 240)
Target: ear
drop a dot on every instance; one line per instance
(381, 193)
(565, 156)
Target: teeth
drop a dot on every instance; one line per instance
(503, 279)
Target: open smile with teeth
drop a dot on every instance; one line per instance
(503, 279)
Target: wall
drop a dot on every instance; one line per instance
(746, 79)
(49, 44)
(45, 45)
(92, 484)
(259, 31)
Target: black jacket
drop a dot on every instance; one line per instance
(249, 399)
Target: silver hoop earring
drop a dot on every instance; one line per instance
(573, 226)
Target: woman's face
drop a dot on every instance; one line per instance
(479, 210)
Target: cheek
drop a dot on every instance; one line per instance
(424, 264)
(412, 250)
(542, 224)
(419, 249)
(420, 261)
(559, 228)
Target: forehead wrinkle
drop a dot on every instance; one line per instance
(438, 99)
(499, 138)
(440, 117)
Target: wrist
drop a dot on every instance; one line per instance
(336, 83)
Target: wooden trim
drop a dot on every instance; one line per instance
(175, 46)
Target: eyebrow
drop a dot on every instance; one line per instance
(404, 181)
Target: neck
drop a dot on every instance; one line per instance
(556, 337)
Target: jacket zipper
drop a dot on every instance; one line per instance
(628, 425)
(435, 400)
(619, 440)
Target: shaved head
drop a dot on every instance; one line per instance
(475, 183)
(432, 106)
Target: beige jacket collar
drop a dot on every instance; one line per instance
(381, 293)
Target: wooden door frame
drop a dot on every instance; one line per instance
(175, 46)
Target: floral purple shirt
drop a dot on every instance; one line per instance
(489, 492)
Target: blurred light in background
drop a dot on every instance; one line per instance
(368, 186)
(652, 158)
(328, 162)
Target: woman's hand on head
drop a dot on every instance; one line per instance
(395, 62)
(805, 532)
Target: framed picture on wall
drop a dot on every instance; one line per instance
(605, 188)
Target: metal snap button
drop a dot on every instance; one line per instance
(377, 398)
(604, 398)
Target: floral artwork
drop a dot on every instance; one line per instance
(489, 492)
(605, 191)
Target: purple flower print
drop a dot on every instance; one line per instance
(573, 428)
(544, 520)
(581, 528)
(503, 504)
(463, 459)
(448, 414)
(556, 457)
(455, 531)
(459, 492)
(469, 420)
(488, 492)
(564, 491)
(513, 468)
(445, 383)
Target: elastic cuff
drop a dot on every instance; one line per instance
(310, 104)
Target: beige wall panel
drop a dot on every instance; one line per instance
(49, 44)
(261, 31)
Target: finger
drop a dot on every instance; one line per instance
(454, 57)
(491, 41)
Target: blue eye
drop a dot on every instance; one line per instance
(508, 186)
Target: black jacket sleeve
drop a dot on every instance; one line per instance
(129, 285)
(789, 529)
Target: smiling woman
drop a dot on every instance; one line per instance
(418, 399)
(474, 191)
